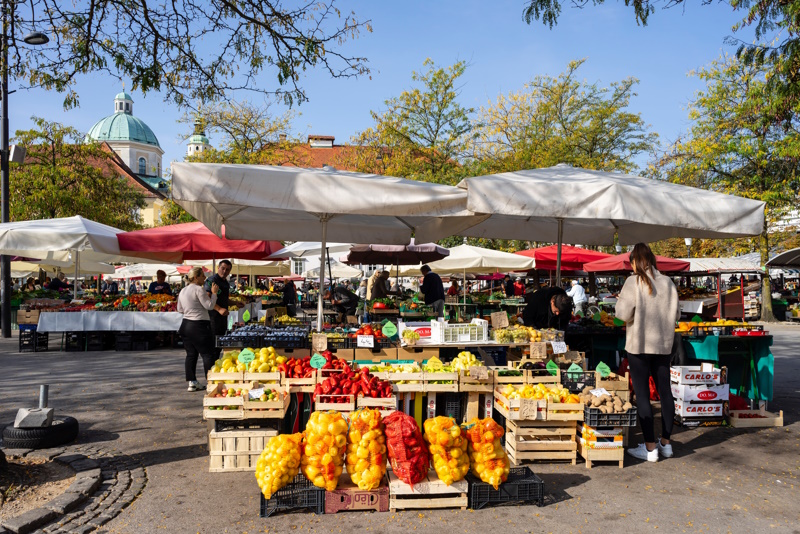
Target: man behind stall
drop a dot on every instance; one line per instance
(219, 315)
(549, 307)
(344, 301)
(160, 286)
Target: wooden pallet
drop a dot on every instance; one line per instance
(771, 419)
(541, 440)
(601, 455)
(300, 385)
(427, 494)
(237, 450)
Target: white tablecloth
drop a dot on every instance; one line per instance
(120, 321)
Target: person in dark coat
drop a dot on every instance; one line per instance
(549, 307)
(344, 301)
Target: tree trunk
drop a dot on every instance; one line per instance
(766, 286)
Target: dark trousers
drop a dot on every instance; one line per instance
(219, 327)
(198, 341)
(642, 367)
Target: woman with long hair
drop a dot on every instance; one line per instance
(194, 303)
(648, 303)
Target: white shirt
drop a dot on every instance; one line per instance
(577, 293)
(194, 303)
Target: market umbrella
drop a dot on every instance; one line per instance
(396, 255)
(254, 267)
(144, 270)
(790, 258)
(622, 263)
(308, 249)
(566, 204)
(68, 239)
(335, 270)
(193, 241)
(291, 203)
(572, 258)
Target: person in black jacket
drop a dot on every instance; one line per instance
(433, 289)
(344, 301)
(549, 307)
(508, 286)
(290, 298)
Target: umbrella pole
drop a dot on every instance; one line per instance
(323, 248)
(558, 259)
(75, 282)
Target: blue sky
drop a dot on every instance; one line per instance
(503, 52)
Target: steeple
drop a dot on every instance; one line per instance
(198, 142)
(123, 102)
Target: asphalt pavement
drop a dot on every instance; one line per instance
(720, 480)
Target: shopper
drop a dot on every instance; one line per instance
(362, 289)
(519, 288)
(30, 285)
(549, 307)
(344, 301)
(508, 286)
(433, 290)
(453, 290)
(160, 286)
(109, 287)
(59, 283)
(376, 287)
(578, 295)
(198, 339)
(290, 298)
(648, 302)
(218, 315)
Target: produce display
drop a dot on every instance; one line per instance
(410, 337)
(610, 403)
(517, 334)
(297, 368)
(279, 463)
(464, 361)
(374, 329)
(407, 451)
(287, 320)
(227, 393)
(383, 304)
(448, 448)
(366, 449)
(486, 453)
(323, 447)
(435, 365)
(348, 382)
(552, 393)
(688, 326)
(266, 361)
(229, 363)
(402, 368)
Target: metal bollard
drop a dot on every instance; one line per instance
(43, 390)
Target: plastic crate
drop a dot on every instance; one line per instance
(450, 405)
(444, 332)
(27, 341)
(298, 494)
(27, 327)
(123, 345)
(522, 487)
(140, 346)
(575, 382)
(336, 344)
(594, 418)
(74, 342)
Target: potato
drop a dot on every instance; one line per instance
(627, 406)
(596, 402)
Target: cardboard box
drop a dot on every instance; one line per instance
(697, 409)
(701, 393)
(28, 317)
(347, 496)
(691, 375)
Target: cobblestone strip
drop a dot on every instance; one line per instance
(105, 483)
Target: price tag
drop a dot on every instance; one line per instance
(389, 329)
(499, 319)
(599, 392)
(246, 316)
(479, 373)
(319, 342)
(365, 342)
(559, 347)
(352, 319)
(318, 361)
(528, 409)
(256, 393)
(603, 369)
(247, 356)
(574, 371)
(552, 367)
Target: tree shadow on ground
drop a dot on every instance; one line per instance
(556, 484)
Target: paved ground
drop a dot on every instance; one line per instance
(135, 404)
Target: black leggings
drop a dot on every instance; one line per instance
(197, 340)
(642, 367)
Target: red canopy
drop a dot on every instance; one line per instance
(623, 263)
(193, 241)
(572, 258)
(184, 269)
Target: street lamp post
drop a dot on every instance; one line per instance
(688, 241)
(35, 39)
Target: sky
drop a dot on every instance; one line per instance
(503, 53)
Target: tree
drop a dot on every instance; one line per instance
(424, 131)
(174, 214)
(192, 50)
(734, 146)
(777, 21)
(562, 120)
(62, 176)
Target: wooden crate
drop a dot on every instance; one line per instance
(234, 405)
(300, 385)
(324, 374)
(293, 353)
(264, 378)
(325, 403)
(621, 383)
(516, 380)
(771, 419)
(541, 440)
(267, 409)
(419, 378)
(388, 403)
(429, 378)
(225, 377)
(542, 376)
(564, 411)
(237, 450)
(513, 409)
(376, 355)
(417, 353)
(601, 455)
(427, 494)
(475, 385)
(474, 402)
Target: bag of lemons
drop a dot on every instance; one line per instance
(487, 455)
(448, 447)
(324, 444)
(366, 449)
(279, 463)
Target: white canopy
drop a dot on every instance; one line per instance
(469, 259)
(251, 267)
(305, 249)
(595, 205)
(722, 265)
(790, 258)
(338, 270)
(144, 270)
(85, 267)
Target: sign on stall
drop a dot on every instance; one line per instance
(499, 319)
(365, 342)
(559, 347)
(319, 342)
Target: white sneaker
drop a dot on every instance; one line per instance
(664, 450)
(194, 385)
(642, 453)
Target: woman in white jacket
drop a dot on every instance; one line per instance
(648, 303)
(198, 340)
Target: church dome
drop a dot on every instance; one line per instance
(122, 125)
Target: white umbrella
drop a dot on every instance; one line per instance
(337, 270)
(290, 203)
(85, 267)
(65, 239)
(567, 204)
(306, 249)
(144, 270)
(254, 267)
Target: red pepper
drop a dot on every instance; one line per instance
(326, 387)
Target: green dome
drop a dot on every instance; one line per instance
(199, 139)
(123, 96)
(122, 127)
